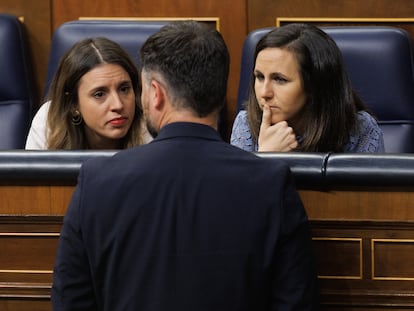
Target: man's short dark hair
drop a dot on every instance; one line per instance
(193, 60)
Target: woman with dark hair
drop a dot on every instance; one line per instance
(93, 101)
(301, 98)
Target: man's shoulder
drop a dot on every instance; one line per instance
(108, 162)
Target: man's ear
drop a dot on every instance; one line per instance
(157, 94)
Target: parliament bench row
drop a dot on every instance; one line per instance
(328, 171)
(379, 60)
(360, 207)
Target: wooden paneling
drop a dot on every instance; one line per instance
(389, 259)
(364, 256)
(25, 304)
(231, 14)
(262, 13)
(363, 241)
(344, 260)
(17, 247)
(360, 205)
(378, 276)
(28, 245)
(34, 200)
(363, 238)
(37, 20)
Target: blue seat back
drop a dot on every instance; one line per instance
(129, 34)
(17, 89)
(379, 61)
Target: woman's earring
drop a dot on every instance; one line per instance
(76, 117)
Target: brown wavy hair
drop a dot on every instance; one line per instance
(63, 92)
(330, 112)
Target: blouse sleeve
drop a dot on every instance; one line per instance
(241, 135)
(36, 139)
(369, 138)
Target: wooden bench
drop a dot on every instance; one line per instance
(361, 208)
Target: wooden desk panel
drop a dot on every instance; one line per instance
(35, 200)
(361, 204)
(363, 245)
(28, 245)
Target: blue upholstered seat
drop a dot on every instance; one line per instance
(379, 60)
(129, 34)
(17, 89)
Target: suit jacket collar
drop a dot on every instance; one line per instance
(187, 129)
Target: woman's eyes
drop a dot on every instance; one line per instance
(279, 79)
(98, 94)
(125, 89)
(259, 76)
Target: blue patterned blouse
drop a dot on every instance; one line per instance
(368, 139)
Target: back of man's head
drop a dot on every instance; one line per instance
(192, 59)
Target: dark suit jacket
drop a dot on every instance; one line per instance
(187, 222)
